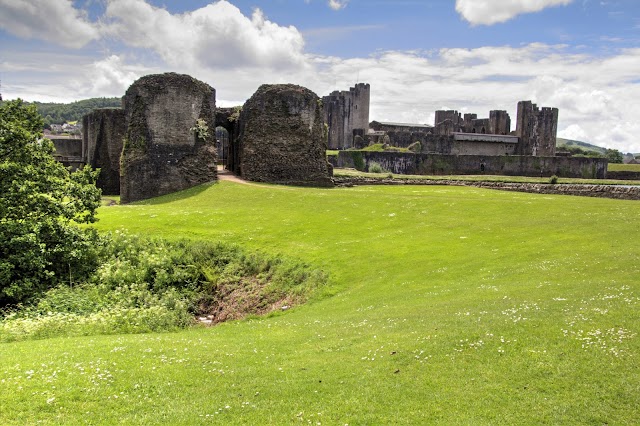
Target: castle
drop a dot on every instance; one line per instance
(455, 143)
(347, 117)
(164, 140)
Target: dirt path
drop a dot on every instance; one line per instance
(227, 175)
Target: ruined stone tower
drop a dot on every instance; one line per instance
(347, 115)
(102, 136)
(499, 122)
(282, 137)
(537, 129)
(169, 143)
(454, 116)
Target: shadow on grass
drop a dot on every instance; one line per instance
(175, 196)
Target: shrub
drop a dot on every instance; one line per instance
(375, 167)
(147, 284)
(553, 180)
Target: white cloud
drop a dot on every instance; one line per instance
(56, 21)
(217, 35)
(489, 12)
(573, 132)
(338, 4)
(112, 76)
(596, 95)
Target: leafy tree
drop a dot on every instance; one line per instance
(614, 156)
(41, 205)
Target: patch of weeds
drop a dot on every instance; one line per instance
(149, 285)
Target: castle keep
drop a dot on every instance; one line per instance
(346, 114)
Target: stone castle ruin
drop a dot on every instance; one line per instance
(459, 144)
(347, 116)
(169, 142)
(281, 137)
(163, 139)
(102, 135)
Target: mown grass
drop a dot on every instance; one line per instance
(616, 167)
(451, 305)
(485, 178)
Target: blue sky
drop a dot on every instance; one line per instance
(582, 56)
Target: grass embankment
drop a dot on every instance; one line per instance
(484, 178)
(454, 305)
(616, 167)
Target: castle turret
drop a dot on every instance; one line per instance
(346, 113)
(537, 129)
(499, 123)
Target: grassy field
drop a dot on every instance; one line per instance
(614, 167)
(446, 305)
(486, 178)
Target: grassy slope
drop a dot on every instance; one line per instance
(562, 143)
(455, 305)
(613, 167)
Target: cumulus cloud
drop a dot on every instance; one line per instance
(338, 4)
(56, 21)
(489, 12)
(217, 35)
(597, 95)
(112, 76)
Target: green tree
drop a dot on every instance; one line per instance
(41, 205)
(614, 156)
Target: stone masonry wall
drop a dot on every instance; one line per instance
(164, 151)
(103, 134)
(282, 137)
(509, 165)
(602, 191)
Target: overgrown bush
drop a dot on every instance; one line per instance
(145, 285)
(375, 167)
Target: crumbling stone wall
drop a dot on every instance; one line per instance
(103, 133)
(450, 121)
(229, 118)
(509, 165)
(282, 137)
(169, 144)
(68, 151)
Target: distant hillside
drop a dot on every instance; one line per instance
(562, 143)
(56, 113)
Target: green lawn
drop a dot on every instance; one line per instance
(451, 305)
(485, 178)
(615, 167)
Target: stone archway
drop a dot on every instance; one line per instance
(222, 145)
(227, 120)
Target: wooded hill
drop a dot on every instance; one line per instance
(59, 113)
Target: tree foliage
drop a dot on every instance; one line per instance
(614, 156)
(41, 205)
(58, 113)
